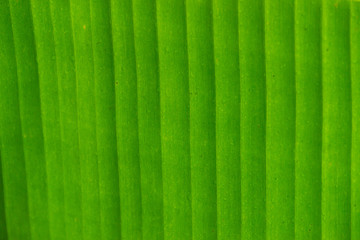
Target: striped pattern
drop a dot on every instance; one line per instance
(157, 119)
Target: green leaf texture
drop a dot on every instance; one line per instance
(180, 119)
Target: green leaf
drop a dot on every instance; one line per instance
(156, 119)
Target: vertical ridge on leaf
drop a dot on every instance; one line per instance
(227, 82)
(65, 60)
(175, 127)
(105, 119)
(12, 152)
(253, 119)
(336, 136)
(308, 119)
(148, 93)
(30, 116)
(355, 144)
(280, 118)
(127, 119)
(45, 49)
(202, 118)
(86, 112)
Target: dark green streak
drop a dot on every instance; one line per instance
(253, 119)
(202, 118)
(175, 128)
(86, 106)
(355, 85)
(127, 119)
(12, 154)
(145, 35)
(45, 49)
(280, 117)
(336, 146)
(308, 119)
(30, 115)
(227, 81)
(3, 230)
(105, 119)
(64, 49)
